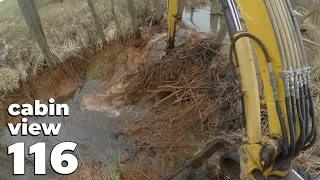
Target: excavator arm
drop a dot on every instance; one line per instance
(283, 67)
(272, 39)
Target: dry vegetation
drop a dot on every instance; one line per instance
(44, 86)
(310, 160)
(69, 30)
(189, 95)
(190, 98)
(177, 104)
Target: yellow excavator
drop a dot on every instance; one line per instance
(273, 39)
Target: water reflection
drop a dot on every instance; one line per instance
(202, 18)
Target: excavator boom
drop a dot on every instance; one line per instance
(271, 37)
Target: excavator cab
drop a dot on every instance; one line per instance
(272, 39)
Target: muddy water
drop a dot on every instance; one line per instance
(93, 131)
(200, 19)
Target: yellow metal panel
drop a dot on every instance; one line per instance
(172, 14)
(258, 23)
(250, 88)
(252, 151)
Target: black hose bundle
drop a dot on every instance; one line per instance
(301, 140)
(301, 106)
(312, 137)
(285, 141)
(291, 127)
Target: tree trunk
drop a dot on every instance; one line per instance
(220, 36)
(159, 10)
(181, 4)
(216, 7)
(30, 13)
(134, 22)
(97, 22)
(191, 16)
(115, 17)
(214, 23)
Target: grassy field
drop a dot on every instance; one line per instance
(8, 6)
(69, 29)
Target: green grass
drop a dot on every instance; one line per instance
(99, 69)
(7, 7)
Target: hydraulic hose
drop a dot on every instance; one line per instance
(273, 81)
(298, 119)
(293, 62)
(307, 109)
(288, 60)
(233, 25)
(297, 29)
(294, 126)
(294, 115)
(311, 139)
(276, 28)
(300, 143)
(295, 35)
(290, 107)
(284, 133)
(235, 79)
(303, 108)
(291, 128)
(282, 50)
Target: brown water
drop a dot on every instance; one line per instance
(93, 131)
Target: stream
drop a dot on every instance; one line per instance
(93, 131)
(200, 19)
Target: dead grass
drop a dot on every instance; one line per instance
(70, 32)
(58, 84)
(190, 98)
(310, 159)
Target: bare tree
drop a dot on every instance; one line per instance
(214, 23)
(220, 36)
(181, 5)
(115, 17)
(30, 13)
(134, 22)
(159, 10)
(97, 22)
(215, 7)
